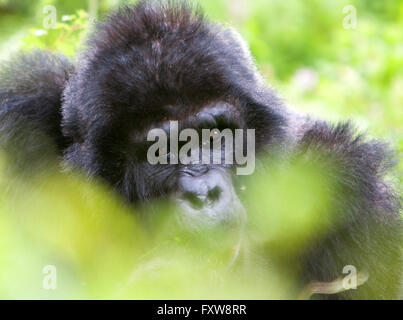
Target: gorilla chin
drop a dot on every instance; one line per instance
(155, 62)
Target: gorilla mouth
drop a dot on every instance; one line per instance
(190, 216)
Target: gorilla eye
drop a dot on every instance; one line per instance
(215, 134)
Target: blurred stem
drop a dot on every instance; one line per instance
(93, 7)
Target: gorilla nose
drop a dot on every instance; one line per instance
(203, 197)
(210, 199)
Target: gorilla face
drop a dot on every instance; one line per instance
(203, 191)
(202, 183)
(166, 64)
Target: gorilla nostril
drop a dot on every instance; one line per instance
(214, 194)
(195, 201)
(199, 201)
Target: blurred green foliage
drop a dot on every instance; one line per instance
(67, 36)
(101, 249)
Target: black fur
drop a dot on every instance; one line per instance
(369, 235)
(31, 87)
(146, 57)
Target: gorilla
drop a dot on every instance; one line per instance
(154, 62)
